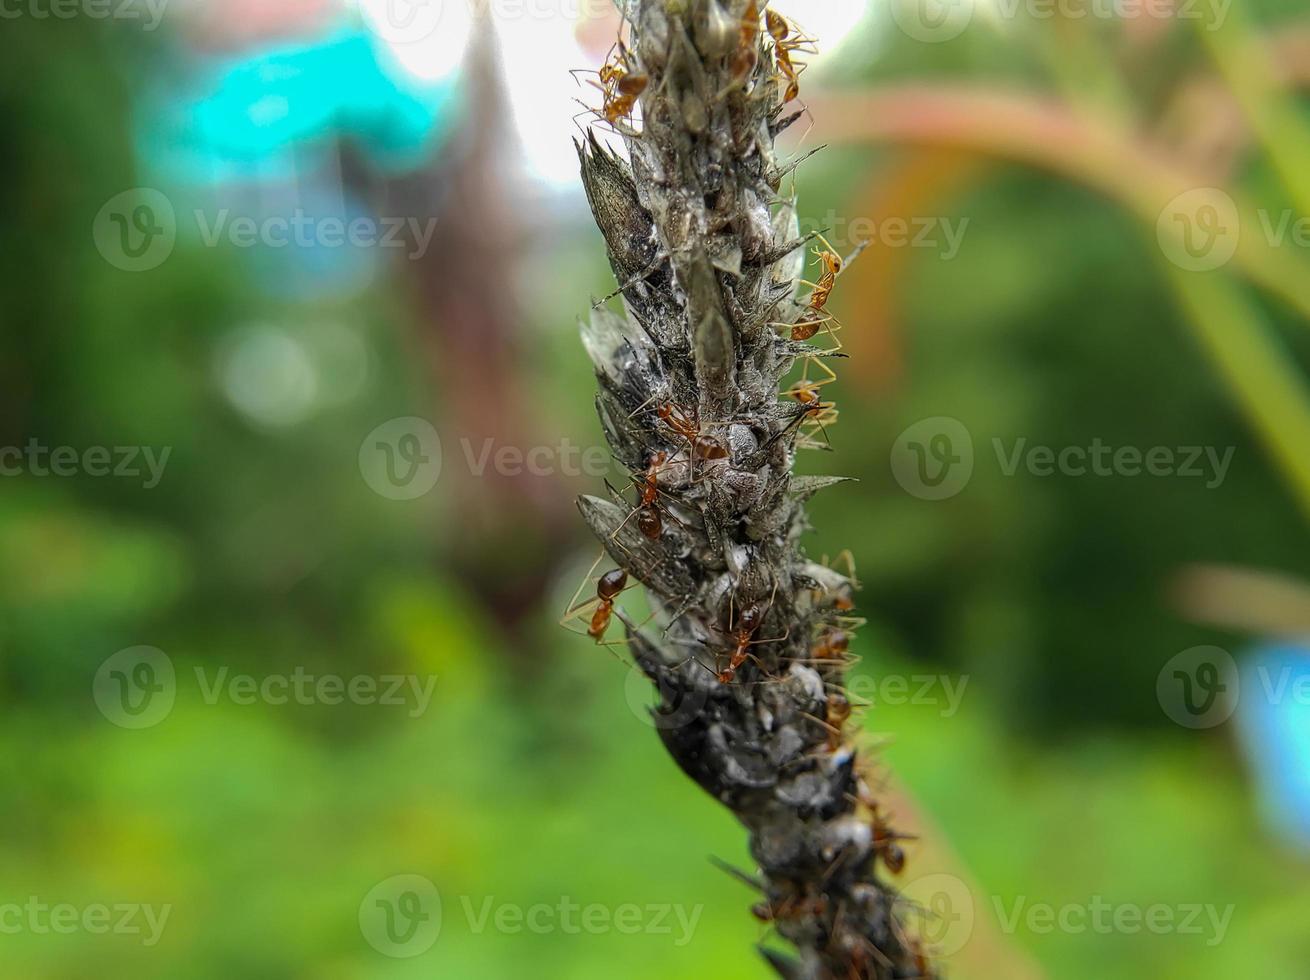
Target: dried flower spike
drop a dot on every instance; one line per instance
(750, 638)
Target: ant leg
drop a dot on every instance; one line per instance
(846, 556)
(652, 398)
(826, 244)
(572, 606)
(687, 602)
(772, 639)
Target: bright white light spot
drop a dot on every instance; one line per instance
(268, 376)
(427, 37)
(536, 55)
(539, 46)
(832, 22)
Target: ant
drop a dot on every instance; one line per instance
(783, 46)
(822, 290)
(816, 314)
(832, 646)
(843, 599)
(619, 85)
(885, 844)
(839, 711)
(814, 318)
(647, 511)
(814, 414)
(702, 446)
(648, 515)
(687, 426)
(607, 588)
(805, 391)
(747, 55)
(620, 102)
(748, 622)
(817, 415)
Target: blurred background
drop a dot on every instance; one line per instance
(293, 411)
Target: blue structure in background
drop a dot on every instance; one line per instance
(1274, 720)
(256, 135)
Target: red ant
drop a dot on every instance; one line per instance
(832, 646)
(688, 426)
(648, 514)
(884, 845)
(647, 511)
(607, 588)
(839, 710)
(747, 55)
(748, 622)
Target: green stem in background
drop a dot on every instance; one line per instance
(1050, 135)
(1261, 374)
(1248, 71)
